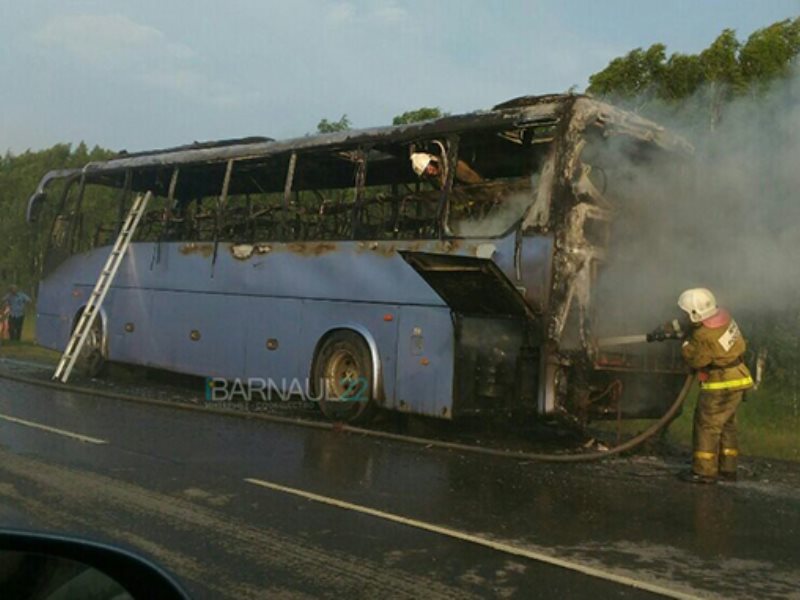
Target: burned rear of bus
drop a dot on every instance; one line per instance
(591, 370)
(469, 288)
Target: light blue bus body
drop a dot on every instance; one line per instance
(294, 293)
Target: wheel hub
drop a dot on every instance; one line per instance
(343, 376)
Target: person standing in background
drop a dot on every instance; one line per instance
(3, 322)
(16, 301)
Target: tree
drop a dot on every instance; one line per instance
(23, 244)
(649, 82)
(326, 126)
(424, 113)
(681, 77)
(769, 52)
(633, 75)
(722, 72)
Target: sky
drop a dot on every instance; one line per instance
(156, 73)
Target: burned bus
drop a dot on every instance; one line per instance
(462, 289)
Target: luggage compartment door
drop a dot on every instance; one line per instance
(470, 285)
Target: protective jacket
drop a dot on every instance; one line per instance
(715, 347)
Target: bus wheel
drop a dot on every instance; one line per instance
(342, 377)
(91, 360)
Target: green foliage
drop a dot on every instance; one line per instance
(631, 75)
(682, 75)
(421, 114)
(767, 421)
(22, 245)
(769, 52)
(648, 81)
(326, 126)
(777, 331)
(720, 63)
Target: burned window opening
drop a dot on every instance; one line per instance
(326, 201)
(510, 163)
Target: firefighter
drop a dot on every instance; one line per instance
(714, 347)
(427, 166)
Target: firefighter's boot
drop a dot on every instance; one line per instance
(715, 412)
(729, 449)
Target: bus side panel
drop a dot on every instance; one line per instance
(51, 330)
(130, 326)
(319, 317)
(233, 332)
(62, 295)
(425, 361)
(199, 334)
(346, 273)
(277, 320)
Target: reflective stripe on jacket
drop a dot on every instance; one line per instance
(743, 383)
(716, 347)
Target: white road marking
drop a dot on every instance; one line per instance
(76, 436)
(474, 539)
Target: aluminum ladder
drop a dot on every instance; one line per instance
(92, 308)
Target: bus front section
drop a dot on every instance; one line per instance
(607, 287)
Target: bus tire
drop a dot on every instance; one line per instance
(342, 377)
(91, 361)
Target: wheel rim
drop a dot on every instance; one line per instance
(344, 377)
(92, 344)
(91, 355)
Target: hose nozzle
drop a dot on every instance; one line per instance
(668, 331)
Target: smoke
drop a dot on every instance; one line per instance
(507, 210)
(727, 219)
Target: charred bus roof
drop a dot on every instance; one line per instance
(519, 113)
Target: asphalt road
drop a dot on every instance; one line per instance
(249, 509)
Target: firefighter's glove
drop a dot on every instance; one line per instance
(668, 331)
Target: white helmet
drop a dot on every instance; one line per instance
(420, 161)
(699, 303)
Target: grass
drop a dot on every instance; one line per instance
(768, 422)
(29, 351)
(26, 348)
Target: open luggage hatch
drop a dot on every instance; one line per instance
(469, 285)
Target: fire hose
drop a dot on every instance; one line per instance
(632, 443)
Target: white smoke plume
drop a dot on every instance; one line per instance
(499, 220)
(729, 220)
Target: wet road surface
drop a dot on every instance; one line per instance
(251, 509)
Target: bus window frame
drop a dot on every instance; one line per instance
(358, 191)
(76, 224)
(64, 249)
(62, 204)
(222, 201)
(124, 196)
(173, 183)
(518, 223)
(222, 204)
(291, 169)
(451, 162)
